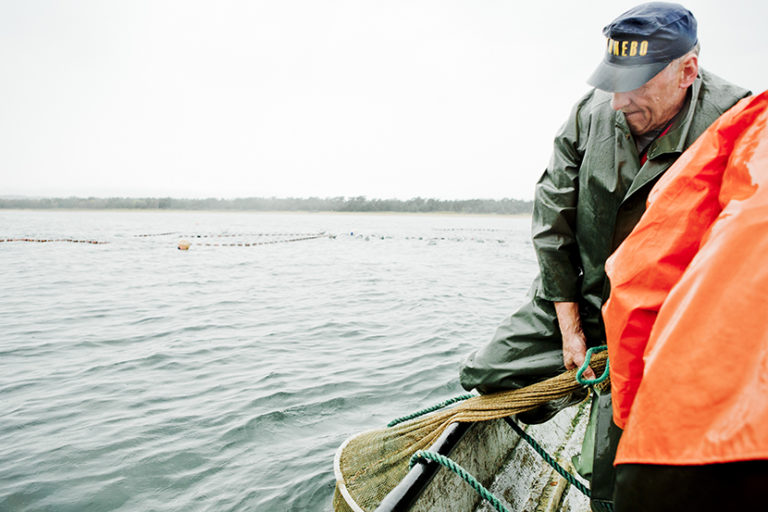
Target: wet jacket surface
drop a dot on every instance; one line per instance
(594, 189)
(589, 198)
(686, 321)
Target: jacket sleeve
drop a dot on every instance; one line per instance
(681, 208)
(554, 216)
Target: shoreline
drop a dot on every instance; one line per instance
(286, 212)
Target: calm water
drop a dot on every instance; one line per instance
(134, 376)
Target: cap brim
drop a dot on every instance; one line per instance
(614, 78)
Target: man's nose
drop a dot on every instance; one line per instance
(619, 100)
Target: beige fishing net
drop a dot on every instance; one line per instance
(370, 464)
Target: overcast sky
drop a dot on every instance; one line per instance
(386, 99)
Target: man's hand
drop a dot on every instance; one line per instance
(574, 341)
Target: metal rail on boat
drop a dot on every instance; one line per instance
(413, 484)
(491, 452)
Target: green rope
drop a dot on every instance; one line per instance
(429, 409)
(448, 463)
(548, 458)
(482, 491)
(602, 378)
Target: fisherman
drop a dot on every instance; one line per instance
(686, 329)
(650, 102)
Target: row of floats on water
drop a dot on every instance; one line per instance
(187, 241)
(44, 240)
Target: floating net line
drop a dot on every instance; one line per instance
(254, 244)
(224, 235)
(350, 234)
(370, 464)
(284, 237)
(185, 244)
(294, 237)
(230, 235)
(46, 240)
(495, 230)
(425, 238)
(154, 234)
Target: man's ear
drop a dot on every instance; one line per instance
(689, 70)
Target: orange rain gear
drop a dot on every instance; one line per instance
(686, 319)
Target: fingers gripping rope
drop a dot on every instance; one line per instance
(587, 359)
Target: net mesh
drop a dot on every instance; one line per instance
(370, 464)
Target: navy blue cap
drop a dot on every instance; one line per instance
(641, 42)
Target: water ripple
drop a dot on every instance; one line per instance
(138, 377)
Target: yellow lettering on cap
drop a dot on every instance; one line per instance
(615, 47)
(643, 48)
(624, 45)
(633, 49)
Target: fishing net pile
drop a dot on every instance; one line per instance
(370, 464)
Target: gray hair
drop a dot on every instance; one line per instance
(693, 51)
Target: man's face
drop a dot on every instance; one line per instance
(654, 104)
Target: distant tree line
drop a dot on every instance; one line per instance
(332, 204)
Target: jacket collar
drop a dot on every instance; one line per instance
(671, 143)
(674, 140)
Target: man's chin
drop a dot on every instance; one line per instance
(636, 127)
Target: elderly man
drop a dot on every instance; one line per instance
(686, 328)
(651, 101)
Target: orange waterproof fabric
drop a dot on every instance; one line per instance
(687, 319)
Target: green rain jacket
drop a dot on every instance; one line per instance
(595, 189)
(587, 201)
